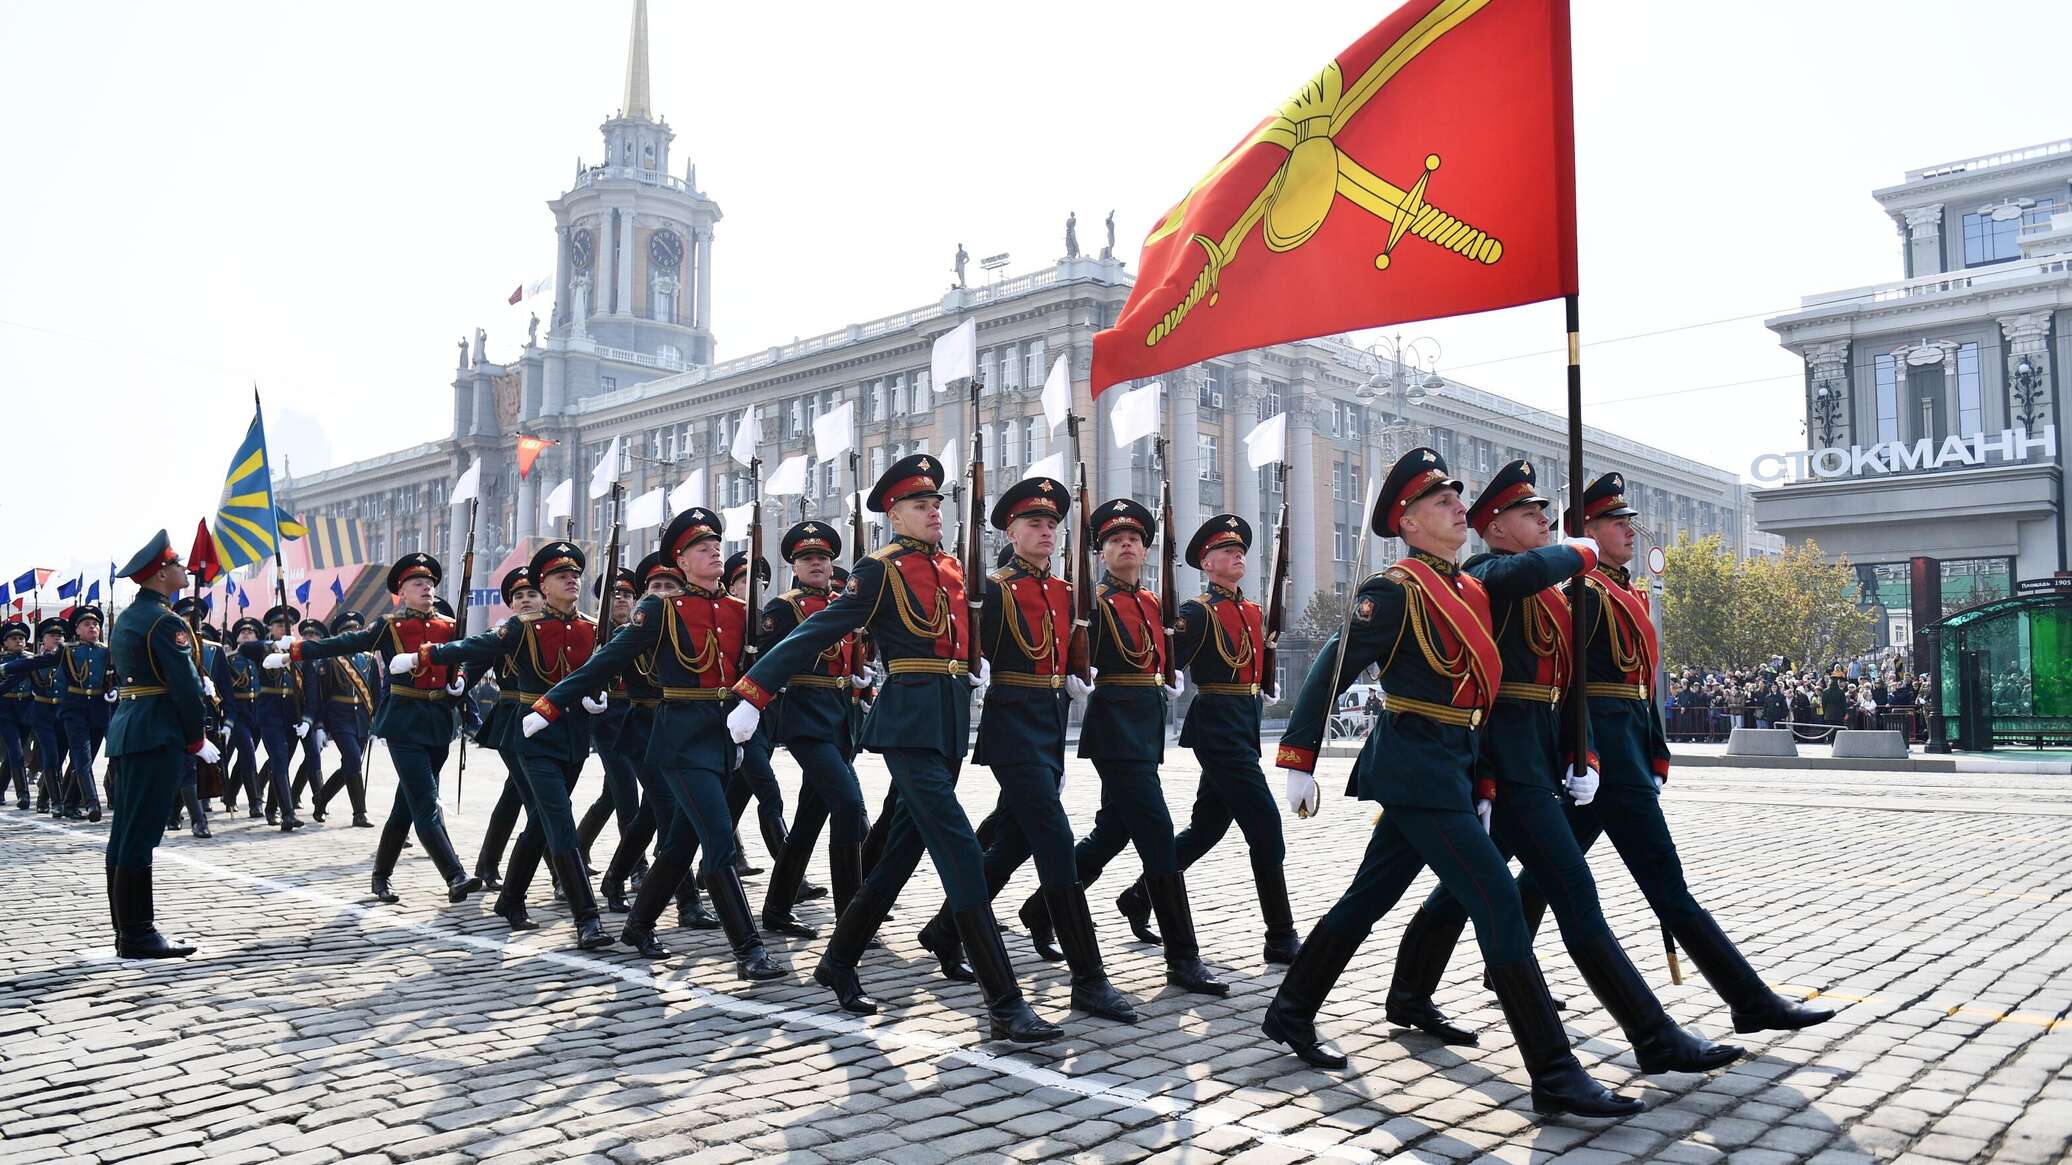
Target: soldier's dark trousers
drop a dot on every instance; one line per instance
(50, 756)
(619, 798)
(503, 818)
(17, 766)
(656, 808)
(1232, 789)
(1133, 811)
(1632, 817)
(928, 817)
(548, 784)
(1527, 822)
(1029, 822)
(874, 840)
(84, 732)
(144, 787)
(697, 822)
(837, 797)
(417, 792)
(240, 764)
(754, 776)
(279, 741)
(1467, 863)
(352, 749)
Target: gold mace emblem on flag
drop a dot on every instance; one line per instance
(1295, 201)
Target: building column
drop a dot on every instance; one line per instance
(1828, 367)
(2027, 336)
(623, 276)
(1924, 239)
(703, 320)
(1186, 471)
(604, 262)
(1303, 518)
(563, 301)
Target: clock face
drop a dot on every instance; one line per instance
(579, 249)
(666, 250)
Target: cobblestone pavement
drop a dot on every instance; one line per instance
(316, 1025)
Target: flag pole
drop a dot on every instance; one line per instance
(1578, 705)
(273, 512)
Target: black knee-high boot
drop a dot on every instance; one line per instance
(1559, 1083)
(199, 818)
(1658, 1043)
(1008, 1015)
(1091, 990)
(836, 971)
(526, 853)
(1184, 967)
(1271, 880)
(752, 960)
(655, 891)
(582, 904)
(1291, 1018)
(1755, 1007)
(783, 891)
(1421, 959)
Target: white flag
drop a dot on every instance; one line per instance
(955, 356)
(857, 499)
(688, 494)
(645, 511)
(1135, 415)
(831, 431)
(743, 450)
(607, 471)
(1052, 466)
(952, 469)
(789, 479)
(1268, 441)
(735, 520)
(558, 502)
(1057, 394)
(469, 485)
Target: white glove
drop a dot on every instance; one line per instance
(1304, 798)
(1589, 544)
(534, 723)
(1179, 687)
(984, 675)
(457, 686)
(1080, 689)
(1582, 789)
(1272, 694)
(209, 753)
(318, 740)
(301, 729)
(595, 705)
(862, 681)
(274, 661)
(1658, 782)
(403, 663)
(208, 687)
(112, 695)
(1482, 814)
(742, 720)
(284, 643)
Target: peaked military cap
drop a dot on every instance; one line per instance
(1515, 484)
(410, 566)
(312, 624)
(917, 475)
(810, 538)
(248, 623)
(188, 607)
(1414, 475)
(345, 621)
(516, 579)
(554, 557)
(12, 628)
(839, 576)
(283, 613)
(1032, 497)
(689, 528)
(1114, 517)
(1604, 498)
(1221, 530)
(653, 567)
(621, 577)
(50, 626)
(80, 616)
(156, 553)
(737, 562)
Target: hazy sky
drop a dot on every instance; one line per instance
(322, 199)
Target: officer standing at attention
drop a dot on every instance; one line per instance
(156, 727)
(1222, 727)
(1427, 625)
(909, 594)
(1523, 751)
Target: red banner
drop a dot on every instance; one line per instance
(202, 559)
(1428, 171)
(528, 452)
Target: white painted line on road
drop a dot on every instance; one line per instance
(830, 1022)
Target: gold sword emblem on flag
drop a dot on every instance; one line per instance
(1292, 206)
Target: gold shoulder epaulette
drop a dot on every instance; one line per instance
(1002, 575)
(531, 617)
(887, 552)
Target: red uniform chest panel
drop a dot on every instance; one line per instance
(1045, 607)
(935, 584)
(836, 660)
(1136, 614)
(414, 635)
(561, 645)
(708, 638)
(1244, 628)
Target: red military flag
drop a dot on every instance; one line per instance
(1427, 171)
(529, 448)
(202, 559)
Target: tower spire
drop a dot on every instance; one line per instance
(636, 104)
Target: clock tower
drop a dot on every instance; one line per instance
(633, 266)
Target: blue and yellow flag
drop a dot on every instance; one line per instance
(248, 523)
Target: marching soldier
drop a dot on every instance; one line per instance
(416, 720)
(1025, 631)
(754, 776)
(533, 653)
(277, 718)
(1427, 625)
(693, 643)
(1123, 733)
(523, 598)
(156, 726)
(1622, 656)
(910, 595)
(240, 701)
(620, 796)
(46, 693)
(215, 677)
(15, 701)
(82, 680)
(1522, 750)
(811, 719)
(312, 691)
(352, 684)
(1222, 727)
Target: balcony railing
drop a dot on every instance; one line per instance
(1988, 161)
(635, 174)
(1945, 282)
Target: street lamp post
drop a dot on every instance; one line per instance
(1827, 411)
(2028, 392)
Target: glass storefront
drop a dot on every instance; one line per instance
(2019, 654)
(1966, 582)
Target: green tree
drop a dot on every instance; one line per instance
(1322, 617)
(1721, 612)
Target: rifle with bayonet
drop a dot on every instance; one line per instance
(974, 536)
(460, 631)
(1079, 566)
(857, 549)
(1168, 589)
(754, 591)
(1276, 587)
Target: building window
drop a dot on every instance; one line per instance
(1269, 400)
(1033, 441)
(1033, 371)
(607, 383)
(877, 463)
(1887, 392)
(1927, 395)
(1208, 392)
(1205, 453)
(1010, 442)
(1338, 542)
(1338, 481)
(1989, 238)
(1971, 415)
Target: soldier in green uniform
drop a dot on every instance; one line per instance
(15, 702)
(523, 598)
(157, 725)
(910, 595)
(1523, 751)
(1222, 727)
(1427, 625)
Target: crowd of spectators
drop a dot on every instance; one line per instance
(1870, 691)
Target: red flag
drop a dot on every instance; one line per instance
(202, 560)
(1428, 171)
(517, 293)
(529, 448)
